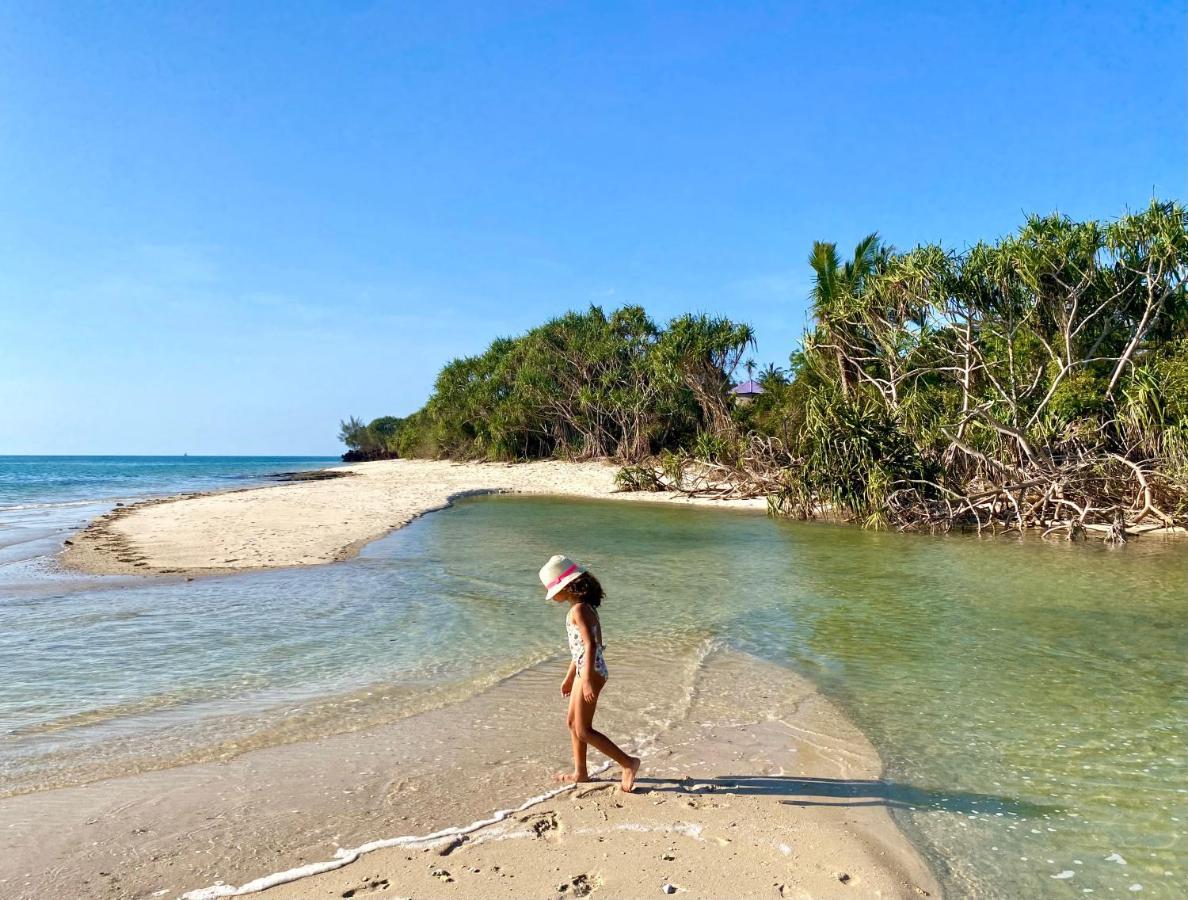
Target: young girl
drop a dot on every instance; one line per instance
(566, 581)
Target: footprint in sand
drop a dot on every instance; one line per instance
(541, 823)
(578, 886)
(370, 886)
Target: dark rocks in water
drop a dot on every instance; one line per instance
(320, 475)
(68, 543)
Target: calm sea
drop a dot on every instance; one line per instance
(1028, 698)
(44, 498)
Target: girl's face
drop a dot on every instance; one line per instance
(562, 596)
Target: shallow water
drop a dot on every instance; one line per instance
(1027, 698)
(29, 482)
(44, 498)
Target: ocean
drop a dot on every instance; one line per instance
(44, 498)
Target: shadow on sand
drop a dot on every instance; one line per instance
(848, 792)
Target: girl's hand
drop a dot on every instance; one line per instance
(588, 692)
(566, 687)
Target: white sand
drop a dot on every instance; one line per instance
(753, 785)
(310, 522)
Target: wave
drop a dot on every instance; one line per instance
(103, 714)
(65, 504)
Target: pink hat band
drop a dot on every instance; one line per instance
(556, 581)
(557, 573)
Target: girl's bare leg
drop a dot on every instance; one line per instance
(579, 757)
(586, 733)
(579, 773)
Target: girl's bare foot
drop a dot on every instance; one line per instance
(629, 772)
(570, 778)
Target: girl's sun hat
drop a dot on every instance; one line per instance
(557, 573)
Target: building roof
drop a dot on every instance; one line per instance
(747, 389)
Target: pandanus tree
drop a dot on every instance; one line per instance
(837, 286)
(584, 374)
(701, 353)
(586, 384)
(1013, 383)
(353, 432)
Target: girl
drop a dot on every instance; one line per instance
(566, 581)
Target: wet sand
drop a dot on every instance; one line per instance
(310, 522)
(753, 785)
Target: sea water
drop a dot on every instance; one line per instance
(44, 498)
(1028, 698)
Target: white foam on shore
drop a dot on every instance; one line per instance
(63, 504)
(345, 856)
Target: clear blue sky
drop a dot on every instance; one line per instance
(226, 225)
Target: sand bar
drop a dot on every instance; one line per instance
(312, 522)
(754, 786)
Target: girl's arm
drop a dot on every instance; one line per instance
(567, 683)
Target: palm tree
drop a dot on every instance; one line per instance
(836, 286)
(772, 375)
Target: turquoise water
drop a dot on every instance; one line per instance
(28, 481)
(1028, 698)
(43, 498)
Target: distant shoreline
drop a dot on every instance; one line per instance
(328, 515)
(322, 516)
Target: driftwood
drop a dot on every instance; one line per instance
(761, 471)
(1085, 493)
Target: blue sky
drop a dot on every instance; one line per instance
(225, 226)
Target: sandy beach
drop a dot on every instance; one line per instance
(312, 522)
(753, 784)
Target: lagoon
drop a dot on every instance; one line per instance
(1028, 698)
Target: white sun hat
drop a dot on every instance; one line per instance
(557, 573)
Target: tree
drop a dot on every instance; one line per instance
(836, 287)
(1037, 381)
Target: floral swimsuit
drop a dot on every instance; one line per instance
(577, 649)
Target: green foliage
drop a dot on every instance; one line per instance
(1054, 347)
(1078, 395)
(638, 478)
(379, 439)
(854, 453)
(1057, 355)
(582, 385)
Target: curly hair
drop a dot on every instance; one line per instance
(585, 589)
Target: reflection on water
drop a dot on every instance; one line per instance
(1027, 698)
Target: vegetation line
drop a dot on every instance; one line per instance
(1039, 382)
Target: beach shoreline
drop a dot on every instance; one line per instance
(330, 515)
(314, 521)
(753, 785)
(739, 797)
